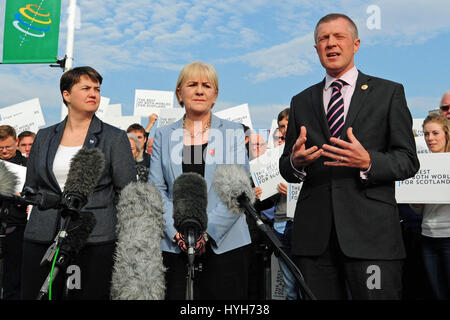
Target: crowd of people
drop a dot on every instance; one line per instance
(347, 138)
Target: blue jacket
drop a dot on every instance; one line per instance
(226, 145)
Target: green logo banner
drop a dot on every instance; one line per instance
(31, 31)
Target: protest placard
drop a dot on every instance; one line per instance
(273, 127)
(292, 197)
(27, 112)
(147, 102)
(265, 172)
(431, 184)
(113, 110)
(21, 123)
(122, 122)
(240, 114)
(169, 115)
(104, 102)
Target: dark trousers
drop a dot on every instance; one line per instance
(95, 263)
(436, 255)
(223, 276)
(333, 276)
(12, 263)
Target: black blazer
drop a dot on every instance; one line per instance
(119, 171)
(364, 212)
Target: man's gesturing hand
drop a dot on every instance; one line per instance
(350, 154)
(301, 157)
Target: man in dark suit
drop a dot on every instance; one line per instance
(349, 141)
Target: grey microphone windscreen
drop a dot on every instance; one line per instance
(230, 182)
(138, 272)
(8, 179)
(190, 200)
(85, 170)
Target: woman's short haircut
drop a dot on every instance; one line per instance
(445, 125)
(72, 77)
(194, 69)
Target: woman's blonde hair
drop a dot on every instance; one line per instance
(196, 68)
(445, 125)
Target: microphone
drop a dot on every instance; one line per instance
(85, 170)
(138, 272)
(232, 185)
(9, 179)
(190, 199)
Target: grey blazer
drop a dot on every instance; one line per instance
(119, 171)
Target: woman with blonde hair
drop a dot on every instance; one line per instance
(201, 142)
(436, 217)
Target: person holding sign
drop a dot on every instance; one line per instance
(349, 139)
(48, 168)
(200, 142)
(13, 225)
(436, 217)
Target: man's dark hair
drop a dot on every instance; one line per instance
(135, 127)
(334, 16)
(24, 134)
(283, 114)
(7, 131)
(72, 77)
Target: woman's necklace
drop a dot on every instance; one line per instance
(198, 133)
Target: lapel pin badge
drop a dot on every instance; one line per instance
(211, 151)
(364, 86)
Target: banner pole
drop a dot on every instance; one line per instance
(70, 34)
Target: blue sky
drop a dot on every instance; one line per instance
(262, 50)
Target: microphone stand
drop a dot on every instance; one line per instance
(244, 202)
(70, 204)
(191, 267)
(62, 259)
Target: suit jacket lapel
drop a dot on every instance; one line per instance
(362, 89)
(319, 109)
(176, 143)
(210, 161)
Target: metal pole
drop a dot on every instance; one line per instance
(70, 34)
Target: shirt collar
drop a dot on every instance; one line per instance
(350, 77)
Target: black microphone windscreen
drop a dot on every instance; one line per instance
(78, 232)
(190, 200)
(8, 179)
(231, 182)
(85, 170)
(138, 272)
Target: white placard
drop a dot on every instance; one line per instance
(273, 127)
(421, 146)
(21, 123)
(31, 109)
(113, 110)
(122, 122)
(20, 171)
(417, 127)
(239, 114)
(170, 115)
(292, 197)
(265, 172)
(102, 107)
(147, 102)
(431, 184)
(278, 286)
(104, 102)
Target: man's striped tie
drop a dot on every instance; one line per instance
(335, 111)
